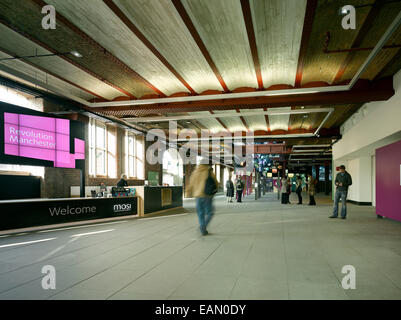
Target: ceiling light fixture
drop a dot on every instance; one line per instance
(76, 54)
(73, 52)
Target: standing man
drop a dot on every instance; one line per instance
(299, 189)
(123, 181)
(199, 187)
(230, 190)
(284, 190)
(311, 190)
(240, 188)
(343, 181)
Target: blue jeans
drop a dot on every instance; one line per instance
(204, 208)
(343, 196)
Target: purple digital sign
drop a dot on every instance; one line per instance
(41, 138)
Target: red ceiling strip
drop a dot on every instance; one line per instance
(195, 35)
(267, 120)
(246, 11)
(306, 33)
(221, 122)
(108, 54)
(113, 7)
(363, 91)
(243, 121)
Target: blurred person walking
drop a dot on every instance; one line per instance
(203, 186)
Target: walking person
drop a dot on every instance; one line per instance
(311, 190)
(298, 185)
(343, 181)
(240, 189)
(230, 190)
(203, 186)
(284, 189)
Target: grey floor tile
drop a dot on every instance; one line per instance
(81, 294)
(247, 288)
(315, 291)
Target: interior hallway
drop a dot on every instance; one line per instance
(256, 250)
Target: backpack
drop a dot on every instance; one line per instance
(210, 186)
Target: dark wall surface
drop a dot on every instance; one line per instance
(153, 199)
(19, 187)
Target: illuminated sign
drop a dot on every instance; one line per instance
(42, 138)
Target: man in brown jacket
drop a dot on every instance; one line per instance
(204, 203)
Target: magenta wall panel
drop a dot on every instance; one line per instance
(41, 138)
(388, 181)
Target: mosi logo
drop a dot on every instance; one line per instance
(122, 207)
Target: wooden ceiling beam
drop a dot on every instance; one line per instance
(108, 54)
(306, 33)
(246, 11)
(243, 121)
(363, 91)
(267, 120)
(195, 35)
(117, 11)
(221, 122)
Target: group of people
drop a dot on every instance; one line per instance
(286, 189)
(239, 188)
(342, 182)
(203, 180)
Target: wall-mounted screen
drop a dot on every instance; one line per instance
(33, 138)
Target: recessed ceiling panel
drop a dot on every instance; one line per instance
(279, 122)
(162, 25)
(100, 23)
(222, 29)
(234, 124)
(257, 122)
(21, 46)
(278, 31)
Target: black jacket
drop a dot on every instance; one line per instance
(122, 183)
(345, 179)
(239, 186)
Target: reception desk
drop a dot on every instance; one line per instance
(153, 199)
(26, 213)
(16, 214)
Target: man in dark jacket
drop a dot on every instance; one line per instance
(240, 189)
(343, 181)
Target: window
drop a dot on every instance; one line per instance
(140, 161)
(130, 154)
(111, 154)
(97, 148)
(134, 156)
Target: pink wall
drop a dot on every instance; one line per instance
(388, 184)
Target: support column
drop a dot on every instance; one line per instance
(327, 180)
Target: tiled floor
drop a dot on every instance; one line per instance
(256, 250)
